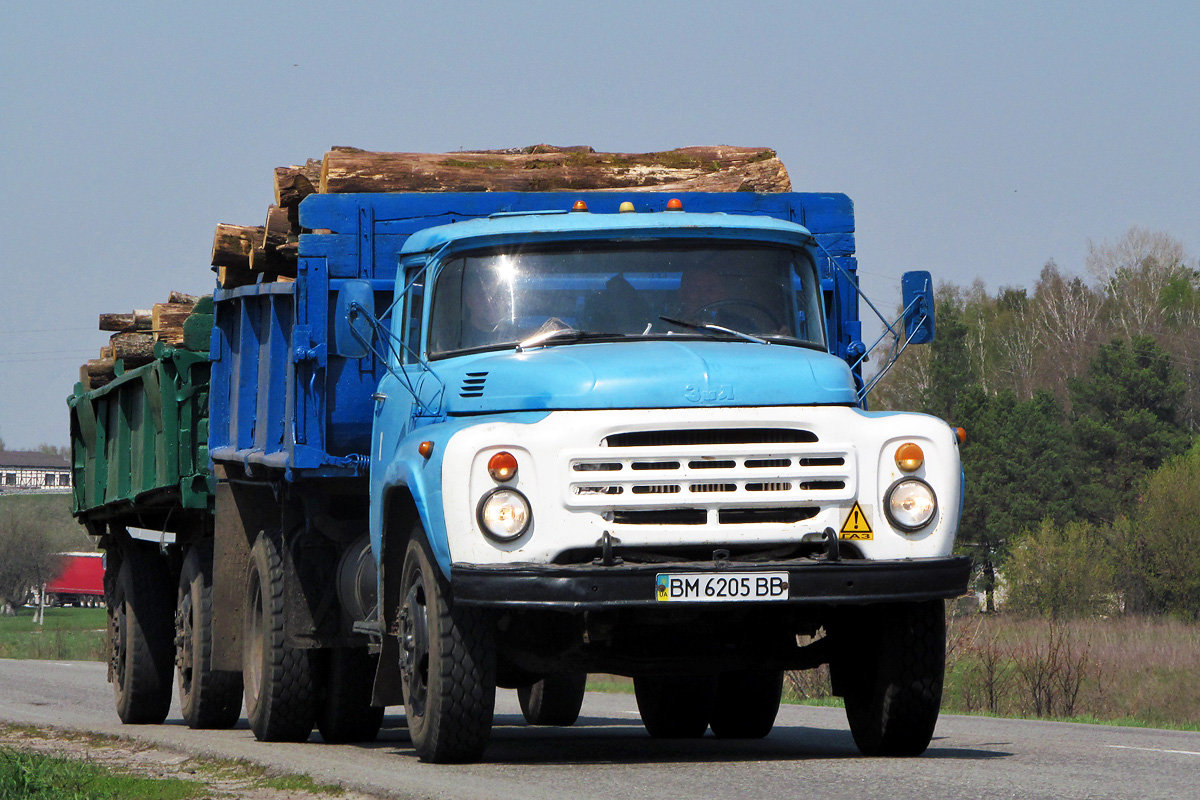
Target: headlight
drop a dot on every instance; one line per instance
(504, 514)
(910, 504)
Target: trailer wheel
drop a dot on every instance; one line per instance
(208, 698)
(893, 684)
(675, 706)
(281, 696)
(746, 703)
(554, 700)
(141, 652)
(344, 711)
(447, 664)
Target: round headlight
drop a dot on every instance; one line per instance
(504, 514)
(910, 504)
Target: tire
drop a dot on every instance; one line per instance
(675, 706)
(554, 700)
(208, 698)
(141, 639)
(281, 692)
(746, 703)
(344, 712)
(447, 665)
(893, 684)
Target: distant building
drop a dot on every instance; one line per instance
(30, 471)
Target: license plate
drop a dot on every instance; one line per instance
(721, 587)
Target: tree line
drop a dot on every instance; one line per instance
(1081, 402)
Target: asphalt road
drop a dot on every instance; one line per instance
(609, 755)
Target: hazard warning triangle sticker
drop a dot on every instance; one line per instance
(857, 526)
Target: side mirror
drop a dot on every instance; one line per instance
(352, 329)
(916, 289)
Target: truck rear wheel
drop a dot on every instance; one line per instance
(892, 683)
(746, 703)
(675, 706)
(141, 648)
(554, 700)
(281, 696)
(208, 698)
(345, 713)
(447, 664)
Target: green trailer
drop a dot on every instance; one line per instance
(143, 487)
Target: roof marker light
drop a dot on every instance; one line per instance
(674, 204)
(579, 206)
(627, 207)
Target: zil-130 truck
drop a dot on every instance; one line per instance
(509, 439)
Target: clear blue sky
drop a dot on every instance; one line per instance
(977, 140)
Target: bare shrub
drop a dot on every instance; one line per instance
(1052, 669)
(808, 684)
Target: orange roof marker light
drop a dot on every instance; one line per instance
(674, 204)
(579, 206)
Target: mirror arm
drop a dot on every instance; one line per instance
(384, 333)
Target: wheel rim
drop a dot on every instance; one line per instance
(253, 656)
(118, 645)
(185, 626)
(414, 646)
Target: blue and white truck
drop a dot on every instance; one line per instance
(509, 439)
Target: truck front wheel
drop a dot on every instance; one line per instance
(281, 693)
(554, 700)
(675, 706)
(447, 664)
(890, 675)
(208, 698)
(141, 652)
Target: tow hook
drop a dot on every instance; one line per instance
(607, 559)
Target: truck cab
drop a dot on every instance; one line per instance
(626, 443)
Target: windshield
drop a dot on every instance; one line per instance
(500, 297)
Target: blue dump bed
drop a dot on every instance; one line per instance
(280, 399)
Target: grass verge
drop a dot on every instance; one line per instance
(37, 776)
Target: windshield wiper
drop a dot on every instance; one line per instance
(562, 336)
(710, 329)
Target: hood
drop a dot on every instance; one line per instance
(648, 374)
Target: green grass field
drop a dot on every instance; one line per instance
(68, 634)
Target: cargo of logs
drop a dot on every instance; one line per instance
(135, 334)
(244, 255)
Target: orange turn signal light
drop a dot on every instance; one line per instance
(425, 449)
(961, 433)
(909, 457)
(502, 466)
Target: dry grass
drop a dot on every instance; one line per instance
(1127, 669)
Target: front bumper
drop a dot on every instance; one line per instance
(811, 583)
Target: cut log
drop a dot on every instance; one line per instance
(134, 349)
(99, 372)
(294, 183)
(231, 277)
(180, 297)
(168, 321)
(139, 320)
(545, 168)
(232, 245)
(277, 228)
